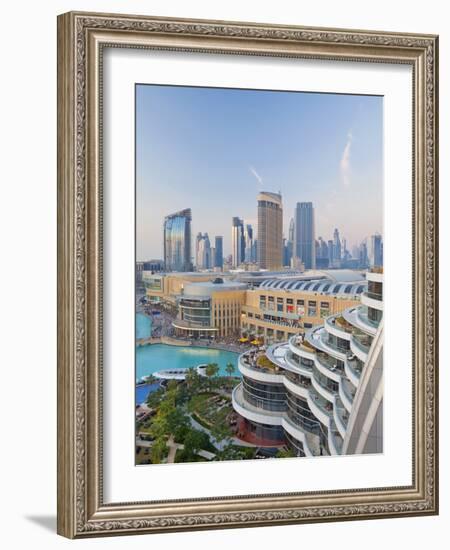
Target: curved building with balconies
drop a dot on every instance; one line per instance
(320, 393)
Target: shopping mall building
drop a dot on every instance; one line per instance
(272, 307)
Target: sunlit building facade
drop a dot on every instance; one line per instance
(270, 230)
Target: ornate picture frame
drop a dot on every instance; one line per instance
(82, 38)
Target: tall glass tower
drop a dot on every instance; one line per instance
(177, 241)
(304, 234)
(219, 252)
(237, 242)
(270, 231)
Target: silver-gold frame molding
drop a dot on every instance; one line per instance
(81, 39)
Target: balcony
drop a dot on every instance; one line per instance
(360, 345)
(373, 300)
(338, 326)
(353, 369)
(320, 407)
(255, 414)
(318, 338)
(346, 394)
(301, 347)
(309, 441)
(328, 366)
(250, 366)
(357, 316)
(322, 386)
(297, 364)
(335, 440)
(340, 416)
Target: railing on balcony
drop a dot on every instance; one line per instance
(250, 361)
(374, 295)
(329, 363)
(354, 364)
(341, 412)
(349, 392)
(341, 324)
(324, 405)
(327, 384)
(362, 341)
(362, 314)
(308, 424)
(336, 438)
(297, 379)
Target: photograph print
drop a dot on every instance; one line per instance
(259, 274)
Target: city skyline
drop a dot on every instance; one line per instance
(197, 161)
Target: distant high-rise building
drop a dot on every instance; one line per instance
(330, 252)
(289, 245)
(177, 241)
(363, 257)
(219, 252)
(255, 251)
(270, 230)
(248, 241)
(322, 260)
(291, 233)
(237, 241)
(337, 249)
(213, 257)
(375, 250)
(203, 251)
(304, 234)
(198, 240)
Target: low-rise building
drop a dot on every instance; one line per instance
(210, 309)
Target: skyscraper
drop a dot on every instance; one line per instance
(270, 230)
(177, 241)
(291, 230)
(375, 250)
(248, 240)
(237, 242)
(219, 252)
(322, 259)
(337, 250)
(304, 234)
(203, 252)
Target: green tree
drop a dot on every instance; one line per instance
(193, 381)
(154, 398)
(211, 371)
(285, 453)
(158, 450)
(221, 431)
(178, 424)
(230, 369)
(194, 441)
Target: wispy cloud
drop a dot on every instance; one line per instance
(345, 160)
(255, 173)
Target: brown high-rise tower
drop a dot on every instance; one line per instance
(270, 231)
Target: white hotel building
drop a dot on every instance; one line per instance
(321, 393)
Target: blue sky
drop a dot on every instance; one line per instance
(213, 150)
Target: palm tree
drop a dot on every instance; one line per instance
(230, 369)
(211, 370)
